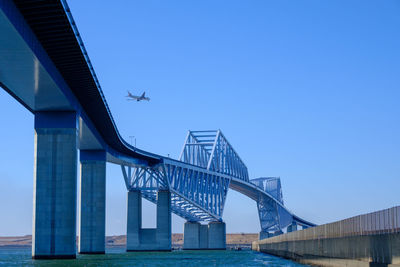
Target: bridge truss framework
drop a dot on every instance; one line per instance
(200, 180)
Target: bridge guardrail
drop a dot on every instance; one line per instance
(379, 222)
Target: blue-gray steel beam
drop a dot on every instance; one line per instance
(199, 193)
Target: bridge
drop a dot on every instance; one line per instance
(44, 65)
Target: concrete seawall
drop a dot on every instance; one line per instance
(366, 240)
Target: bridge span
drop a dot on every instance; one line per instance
(45, 66)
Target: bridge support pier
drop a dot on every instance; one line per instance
(54, 195)
(191, 235)
(92, 198)
(134, 223)
(292, 227)
(203, 236)
(263, 235)
(158, 239)
(278, 232)
(163, 233)
(198, 236)
(216, 235)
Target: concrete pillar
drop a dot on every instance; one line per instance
(163, 233)
(191, 235)
(92, 198)
(158, 239)
(134, 223)
(263, 235)
(54, 192)
(292, 227)
(203, 236)
(216, 235)
(279, 232)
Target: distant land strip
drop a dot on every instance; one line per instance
(120, 240)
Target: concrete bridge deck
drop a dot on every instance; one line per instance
(44, 65)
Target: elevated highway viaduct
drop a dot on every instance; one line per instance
(44, 65)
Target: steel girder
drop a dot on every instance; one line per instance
(199, 182)
(271, 185)
(268, 214)
(211, 150)
(197, 194)
(273, 217)
(205, 189)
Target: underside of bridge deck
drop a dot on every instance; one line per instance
(45, 66)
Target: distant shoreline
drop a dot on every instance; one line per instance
(241, 239)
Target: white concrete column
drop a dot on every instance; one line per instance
(216, 235)
(92, 202)
(163, 232)
(191, 235)
(134, 222)
(54, 193)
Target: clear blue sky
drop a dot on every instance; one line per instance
(305, 90)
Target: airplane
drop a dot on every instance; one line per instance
(137, 98)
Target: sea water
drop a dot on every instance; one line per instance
(118, 257)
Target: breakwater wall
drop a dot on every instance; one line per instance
(366, 240)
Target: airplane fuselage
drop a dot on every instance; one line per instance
(137, 98)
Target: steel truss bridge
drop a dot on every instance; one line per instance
(199, 181)
(44, 65)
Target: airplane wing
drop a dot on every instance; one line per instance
(143, 95)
